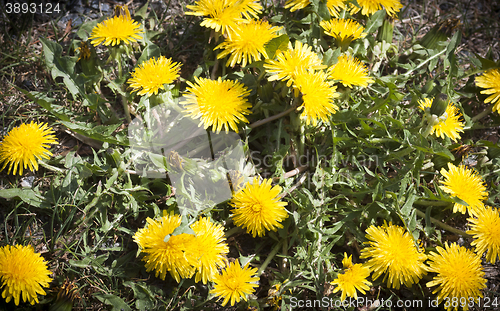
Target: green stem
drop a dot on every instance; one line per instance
(432, 121)
(126, 109)
(272, 118)
(269, 258)
(444, 226)
(483, 114)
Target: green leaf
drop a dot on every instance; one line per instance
(459, 201)
(151, 50)
(116, 302)
(374, 22)
(143, 11)
(276, 45)
(100, 133)
(60, 66)
(28, 196)
(408, 206)
(47, 103)
(330, 56)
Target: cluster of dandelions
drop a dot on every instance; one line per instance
(245, 38)
(244, 43)
(368, 7)
(202, 253)
(392, 252)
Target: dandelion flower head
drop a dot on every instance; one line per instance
(392, 250)
(295, 5)
(465, 184)
(235, 283)
(486, 232)
(224, 15)
(115, 30)
(343, 30)
(335, 7)
(292, 62)
(258, 208)
(218, 103)
(317, 96)
(164, 252)
(211, 249)
(24, 145)
(22, 273)
(449, 123)
(353, 279)
(151, 75)
(369, 7)
(459, 274)
(350, 71)
(247, 43)
(490, 81)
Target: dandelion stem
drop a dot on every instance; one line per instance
(269, 258)
(483, 114)
(272, 118)
(444, 226)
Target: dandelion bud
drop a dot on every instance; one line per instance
(439, 104)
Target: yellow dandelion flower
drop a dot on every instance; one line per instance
(235, 283)
(292, 62)
(335, 7)
(295, 5)
(210, 249)
(393, 251)
(23, 273)
(84, 51)
(247, 43)
(115, 30)
(343, 30)
(371, 6)
(26, 144)
(258, 207)
(218, 103)
(317, 96)
(490, 80)
(163, 252)
(486, 232)
(151, 75)
(467, 185)
(224, 15)
(459, 277)
(353, 278)
(350, 71)
(449, 123)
